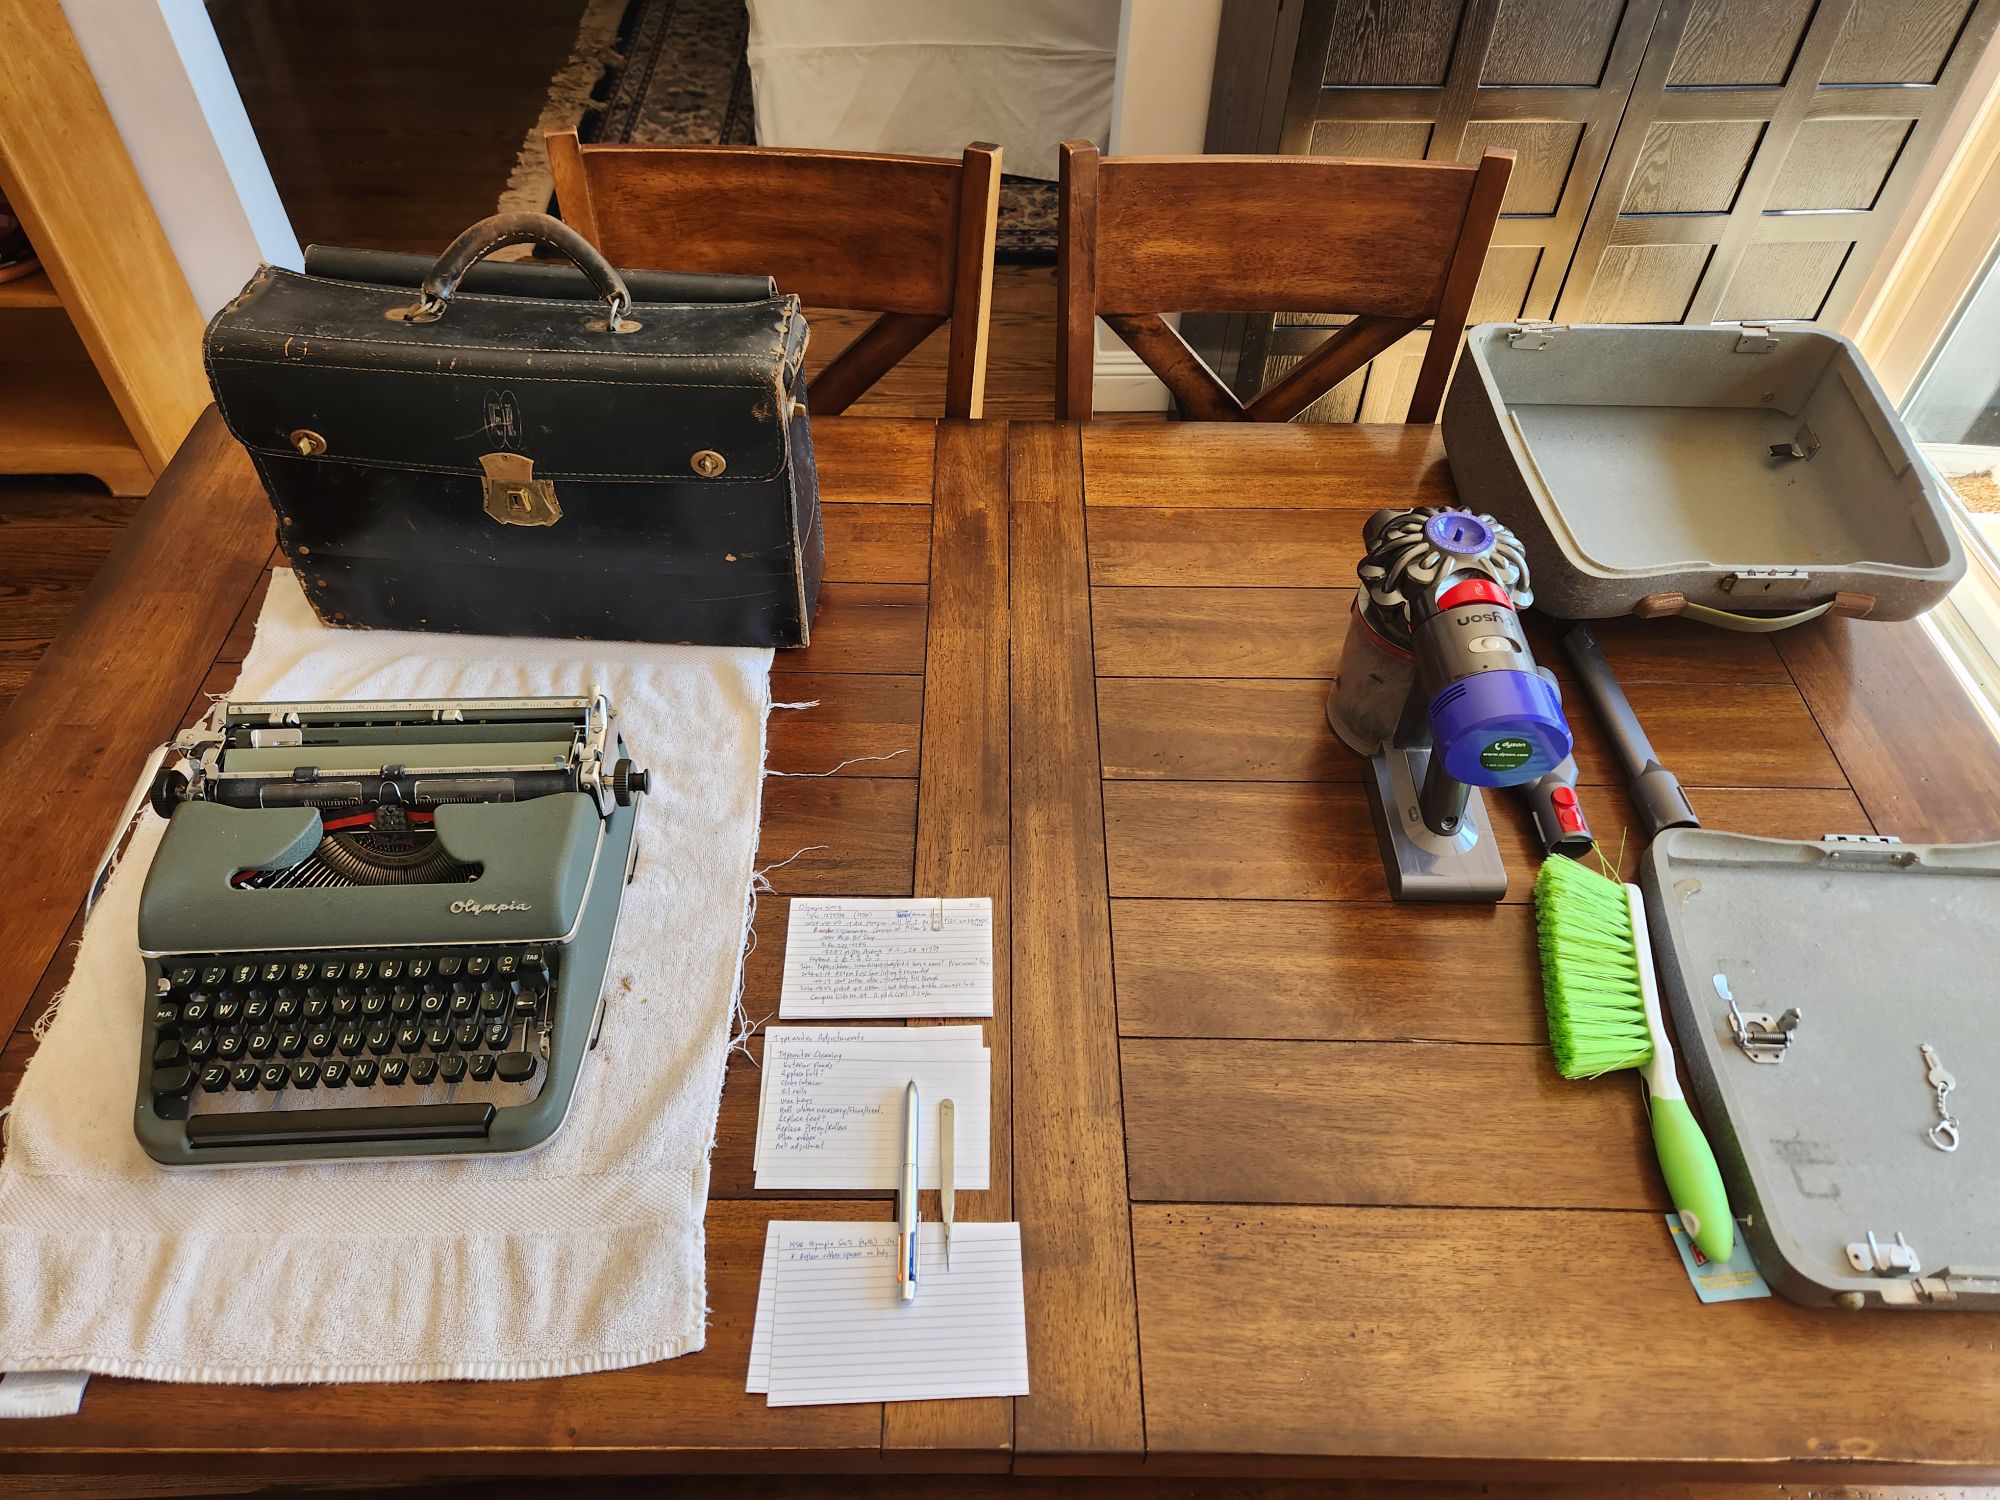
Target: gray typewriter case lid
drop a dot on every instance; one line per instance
(538, 858)
(1882, 947)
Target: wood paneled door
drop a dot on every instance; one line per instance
(1677, 160)
(1766, 151)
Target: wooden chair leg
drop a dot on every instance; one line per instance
(972, 282)
(1475, 234)
(1076, 280)
(572, 184)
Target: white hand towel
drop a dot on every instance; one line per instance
(584, 1255)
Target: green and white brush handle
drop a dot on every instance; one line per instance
(1694, 1182)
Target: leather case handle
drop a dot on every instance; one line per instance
(1661, 606)
(488, 235)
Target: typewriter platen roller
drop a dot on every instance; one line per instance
(379, 929)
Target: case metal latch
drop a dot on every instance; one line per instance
(1533, 333)
(1873, 1257)
(1756, 338)
(514, 497)
(1763, 1038)
(1748, 581)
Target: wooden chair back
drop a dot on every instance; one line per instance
(907, 237)
(1396, 244)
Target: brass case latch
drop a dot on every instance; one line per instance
(514, 497)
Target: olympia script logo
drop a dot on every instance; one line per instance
(487, 908)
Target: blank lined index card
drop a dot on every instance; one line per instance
(894, 957)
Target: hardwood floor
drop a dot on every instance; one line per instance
(53, 535)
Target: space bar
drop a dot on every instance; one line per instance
(388, 1122)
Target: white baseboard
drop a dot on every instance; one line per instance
(1119, 379)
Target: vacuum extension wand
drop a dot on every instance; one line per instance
(1656, 791)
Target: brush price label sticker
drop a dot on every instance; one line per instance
(1718, 1281)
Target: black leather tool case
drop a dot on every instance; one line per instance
(528, 449)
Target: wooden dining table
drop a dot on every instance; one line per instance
(1300, 1189)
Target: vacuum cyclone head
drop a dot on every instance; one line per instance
(1410, 551)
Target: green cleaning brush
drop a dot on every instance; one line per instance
(1604, 1015)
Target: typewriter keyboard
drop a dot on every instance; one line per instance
(367, 1023)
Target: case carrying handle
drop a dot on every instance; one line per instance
(488, 235)
(1662, 606)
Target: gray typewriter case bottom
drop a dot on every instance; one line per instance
(1638, 461)
(1882, 947)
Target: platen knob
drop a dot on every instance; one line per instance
(627, 782)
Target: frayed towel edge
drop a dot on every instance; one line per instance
(490, 1369)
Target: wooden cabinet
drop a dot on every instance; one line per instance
(1678, 160)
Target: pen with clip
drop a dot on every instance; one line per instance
(906, 1203)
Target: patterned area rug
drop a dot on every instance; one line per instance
(677, 72)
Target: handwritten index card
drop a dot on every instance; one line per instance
(830, 1330)
(956, 1041)
(870, 957)
(831, 1112)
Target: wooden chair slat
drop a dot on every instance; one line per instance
(1184, 372)
(902, 235)
(1328, 365)
(1249, 233)
(874, 352)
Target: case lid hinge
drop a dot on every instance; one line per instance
(1948, 1286)
(1533, 333)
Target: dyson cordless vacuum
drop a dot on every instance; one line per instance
(1438, 689)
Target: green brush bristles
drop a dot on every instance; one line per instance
(1590, 972)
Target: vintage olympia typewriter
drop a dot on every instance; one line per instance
(379, 929)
